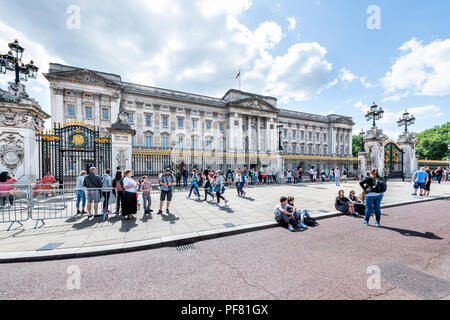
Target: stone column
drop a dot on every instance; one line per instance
(97, 113)
(249, 130)
(410, 162)
(230, 133)
(240, 146)
(258, 135)
(268, 144)
(57, 105)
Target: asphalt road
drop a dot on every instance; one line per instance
(411, 253)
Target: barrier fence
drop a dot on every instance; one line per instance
(50, 202)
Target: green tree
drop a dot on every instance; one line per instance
(357, 144)
(433, 143)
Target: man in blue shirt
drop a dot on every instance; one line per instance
(420, 178)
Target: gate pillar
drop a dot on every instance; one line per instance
(410, 161)
(21, 118)
(374, 146)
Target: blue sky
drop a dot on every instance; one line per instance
(315, 56)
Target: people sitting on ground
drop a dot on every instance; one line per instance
(305, 218)
(284, 217)
(343, 204)
(358, 202)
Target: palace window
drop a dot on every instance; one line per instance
(148, 120)
(105, 114)
(180, 143)
(208, 125)
(310, 136)
(221, 127)
(302, 135)
(165, 122)
(131, 118)
(132, 141)
(294, 134)
(148, 141)
(70, 110)
(180, 123)
(165, 142)
(88, 112)
(208, 144)
(194, 124)
(195, 143)
(221, 145)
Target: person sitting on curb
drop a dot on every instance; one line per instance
(343, 204)
(358, 202)
(282, 216)
(303, 214)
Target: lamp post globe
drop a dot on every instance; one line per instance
(12, 61)
(16, 49)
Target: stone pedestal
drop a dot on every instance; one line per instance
(280, 167)
(410, 161)
(20, 119)
(374, 146)
(122, 149)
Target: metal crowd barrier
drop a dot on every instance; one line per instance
(14, 207)
(62, 203)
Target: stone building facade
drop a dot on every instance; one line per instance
(239, 123)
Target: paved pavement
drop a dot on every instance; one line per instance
(188, 217)
(411, 251)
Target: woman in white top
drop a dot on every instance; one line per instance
(129, 205)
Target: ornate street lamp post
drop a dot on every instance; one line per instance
(280, 131)
(362, 134)
(375, 113)
(12, 61)
(406, 120)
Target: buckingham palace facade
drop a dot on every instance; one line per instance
(246, 127)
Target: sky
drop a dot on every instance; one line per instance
(316, 56)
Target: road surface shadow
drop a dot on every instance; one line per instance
(412, 233)
(248, 198)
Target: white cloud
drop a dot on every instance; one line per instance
(346, 76)
(422, 69)
(366, 84)
(292, 23)
(363, 107)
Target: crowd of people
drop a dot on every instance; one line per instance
(324, 175)
(423, 178)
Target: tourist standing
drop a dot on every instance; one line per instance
(106, 191)
(419, 179)
(269, 175)
(79, 190)
(129, 205)
(207, 183)
(94, 184)
(167, 182)
(337, 175)
(289, 177)
(7, 186)
(146, 189)
(118, 190)
(428, 182)
(185, 177)
(439, 173)
(373, 188)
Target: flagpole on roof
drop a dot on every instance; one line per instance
(240, 76)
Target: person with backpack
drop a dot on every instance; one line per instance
(194, 184)
(118, 190)
(94, 184)
(167, 181)
(374, 187)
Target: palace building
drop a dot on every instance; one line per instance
(241, 126)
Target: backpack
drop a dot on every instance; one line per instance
(119, 185)
(380, 186)
(310, 222)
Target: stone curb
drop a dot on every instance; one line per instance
(170, 241)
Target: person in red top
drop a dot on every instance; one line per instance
(6, 187)
(45, 184)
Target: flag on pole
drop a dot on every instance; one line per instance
(238, 75)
